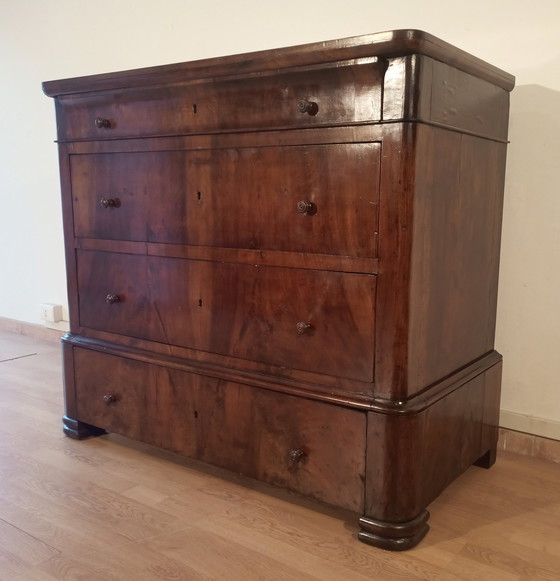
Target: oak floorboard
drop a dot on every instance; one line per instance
(113, 509)
(13, 346)
(20, 551)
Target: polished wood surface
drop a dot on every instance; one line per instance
(285, 264)
(459, 182)
(244, 198)
(390, 44)
(348, 92)
(216, 422)
(111, 508)
(319, 321)
(440, 94)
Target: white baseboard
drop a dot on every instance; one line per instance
(52, 333)
(530, 425)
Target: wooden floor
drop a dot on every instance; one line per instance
(110, 509)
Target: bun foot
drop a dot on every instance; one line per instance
(78, 430)
(394, 536)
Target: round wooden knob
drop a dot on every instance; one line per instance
(309, 107)
(297, 456)
(109, 398)
(108, 203)
(303, 327)
(101, 123)
(112, 299)
(306, 207)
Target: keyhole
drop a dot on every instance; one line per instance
(199, 196)
(195, 108)
(199, 302)
(195, 414)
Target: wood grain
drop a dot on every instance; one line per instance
(244, 197)
(344, 92)
(216, 421)
(245, 311)
(459, 183)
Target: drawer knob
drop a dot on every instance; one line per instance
(306, 207)
(296, 456)
(108, 203)
(303, 328)
(109, 398)
(101, 123)
(309, 107)
(112, 299)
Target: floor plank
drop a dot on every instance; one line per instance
(20, 551)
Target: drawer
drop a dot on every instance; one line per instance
(316, 321)
(310, 447)
(316, 199)
(349, 92)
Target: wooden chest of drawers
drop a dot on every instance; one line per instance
(285, 264)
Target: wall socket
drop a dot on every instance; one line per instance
(50, 313)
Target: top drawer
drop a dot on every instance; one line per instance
(344, 93)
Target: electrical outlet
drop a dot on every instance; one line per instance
(50, 313)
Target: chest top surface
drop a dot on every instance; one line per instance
(383, 45)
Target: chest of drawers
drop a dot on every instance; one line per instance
(285, 263)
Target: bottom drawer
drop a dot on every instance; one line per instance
(313, 448)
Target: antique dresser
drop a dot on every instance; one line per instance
(285, 263)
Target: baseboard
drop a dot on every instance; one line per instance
(530, 425)
(529, 436)
(529, 445)
(31, 330)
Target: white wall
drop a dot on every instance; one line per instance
(51, 39)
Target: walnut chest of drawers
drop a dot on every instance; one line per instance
(285, 264)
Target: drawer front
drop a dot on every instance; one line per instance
(341, 95)
(314, 199)
(316, 321)
(310, 447)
